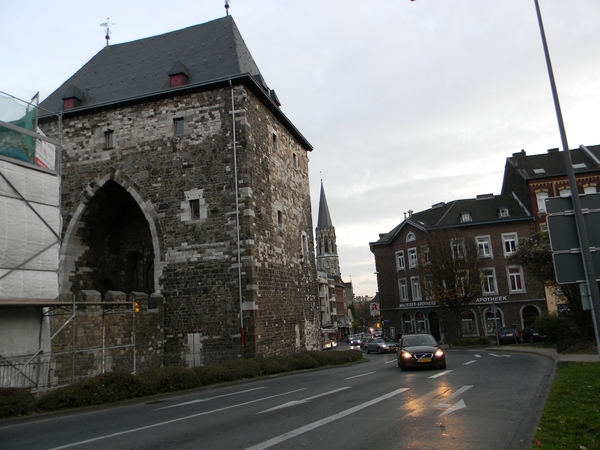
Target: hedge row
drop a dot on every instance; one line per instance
(464, 342)
(116, 386)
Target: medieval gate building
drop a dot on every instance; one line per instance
(183, 179)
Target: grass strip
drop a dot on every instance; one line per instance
(571, 417)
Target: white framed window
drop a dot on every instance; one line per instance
(516, 283)
(565, 192)
(509, 243)
(416, 288)
(465, 217)
(462, 279)
(488, 281)
(458, 248)
(400, 265)
(403, 288)
(503, 212)
(429, 289)
(412, 258)
(541, 201)
(484, 246)
(410, 237)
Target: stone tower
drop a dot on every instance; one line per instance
(183, 177)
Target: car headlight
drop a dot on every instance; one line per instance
(439, 352)
(383, 346)
(407, 355)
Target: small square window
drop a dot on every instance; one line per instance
(178, 126)
(109, 139)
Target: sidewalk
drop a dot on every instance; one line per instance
(558, 357)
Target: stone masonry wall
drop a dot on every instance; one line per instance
(195, 257)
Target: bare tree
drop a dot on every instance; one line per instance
(450, 271)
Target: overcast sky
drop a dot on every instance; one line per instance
(407, 104)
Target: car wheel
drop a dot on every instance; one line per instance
(402, 366)
(442, 365)
(379, 350)
(368, 351)
(399, 363)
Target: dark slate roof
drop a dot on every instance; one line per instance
(552, 163)
(212, 52)
(483, 210)
(324, 219)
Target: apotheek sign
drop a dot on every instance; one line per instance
(502, 298)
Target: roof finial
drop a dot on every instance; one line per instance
(107, 25)
(227, 6)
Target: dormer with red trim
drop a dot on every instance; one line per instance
(179, 75)
(72, 97)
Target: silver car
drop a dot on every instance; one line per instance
(380, 345)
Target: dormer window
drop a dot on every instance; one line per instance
(72, 97)
(178, 75)
(465, 217)
(503, 212)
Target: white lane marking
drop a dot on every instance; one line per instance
(358, 376)
(445, 404)
(500, 356)
(455, 407)
(306, 400)
(391, 362)
(210, 398)
(440, 374)
(168, 422)
(469, 362)
(319, 423)
(477, 356)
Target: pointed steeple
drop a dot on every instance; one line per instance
(327, 257)
(324, 219)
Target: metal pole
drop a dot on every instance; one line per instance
(579, 221)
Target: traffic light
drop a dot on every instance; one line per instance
(136, 307)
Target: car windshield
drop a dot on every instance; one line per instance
(386, 339)
(413, 341)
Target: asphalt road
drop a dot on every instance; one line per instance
(484, 400)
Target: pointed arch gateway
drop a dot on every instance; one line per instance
(112, 240)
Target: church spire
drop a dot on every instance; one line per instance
(324, 219)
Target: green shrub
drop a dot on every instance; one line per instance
(301, 361)
(106, 388)
(209, 375)
(556, 328)
(243, 368)
(15, 402)
(170, 379)
(274, 364)
(320, 357)
(465, 342)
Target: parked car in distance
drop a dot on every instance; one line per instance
(507, 335)
(380, 345)
(420, 350)
(530, 334)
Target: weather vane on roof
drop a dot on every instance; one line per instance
(107, 25)
(227, 6)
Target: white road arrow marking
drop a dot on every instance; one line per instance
(500, 356)
(455, 407)
(306, 400)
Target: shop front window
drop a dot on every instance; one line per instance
(407, 323)
(421, 324)
(467, 321)
(493, 320)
